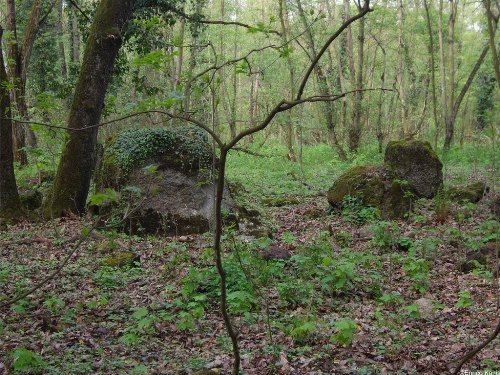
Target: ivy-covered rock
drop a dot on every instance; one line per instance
(183, 148)
(472, 193)
(168, 170)
(416, 163)
(375, 187)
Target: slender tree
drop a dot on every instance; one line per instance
(19, 53)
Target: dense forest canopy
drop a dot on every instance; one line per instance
(315, 170)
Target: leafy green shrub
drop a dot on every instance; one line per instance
(25, 360)
(391, 298)
(413, 311)
(385, 234)
(338, 274)
(464, 299)
(346, 328)
(113, 277)
(354, 212)
(240, 301)
(143, 325)
(441, 205)
(303, 330)
(418, 270)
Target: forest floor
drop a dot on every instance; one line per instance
(358, 296)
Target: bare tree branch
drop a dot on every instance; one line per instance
(473, 352)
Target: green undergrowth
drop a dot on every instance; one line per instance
(273, 174)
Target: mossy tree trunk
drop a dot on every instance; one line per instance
(9, 198)
(72, 181)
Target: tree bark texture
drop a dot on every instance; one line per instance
(72, 181)
(9, 198)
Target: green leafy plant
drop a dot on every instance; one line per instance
(441, 205)
(346, 328)
(303, 330)
(240, 301)
(385, 234)
(54, 303)
(354, 212)
(25, 360)
(464, 299)
(391, 298)
(413, 311)
(295, 293)
(143, 326)
(418, 270)
(288, 238)
(338, 273)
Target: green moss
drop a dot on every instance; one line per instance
(473, 192)
(363, 181)
(416, 162)
(412, 144)
(120, 259)
(396, 203)
(375, 187)
(282, 201)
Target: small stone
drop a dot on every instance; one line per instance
(426, 308)
(275, 253)
(214, 364)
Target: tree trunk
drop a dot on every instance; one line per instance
(285, 37)
(442, 65)
(433, 74)
(60, 35)
(72, 181)
(355, 130)
(10, 206)
(400, 73)
(75, 39)
(379, 128)
(450, 122)
(323, 88)
(492, 28)
(19, 54)
(14, 77)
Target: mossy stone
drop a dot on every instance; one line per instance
(363, 181)
(375, 186)
(415, 162)
(285, 200)
(121, 259)
(472, 193)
